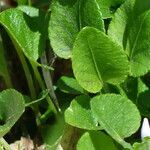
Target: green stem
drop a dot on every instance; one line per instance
(8, 80)
(27, 73)
(30, 2)
(42, 85)
(36, 101)
(48, 81)
(44, 117)
(4, 144)
(122, 92)
(37, 75)
(6, 74)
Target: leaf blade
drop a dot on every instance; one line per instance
(79, 114)
(110, 111)
(11, 108)
(94, 61)
(132, 33)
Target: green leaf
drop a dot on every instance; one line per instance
(69, 85)
(130, 28)
(145, 145)
(117, 115)
(90, 14)
(108, 7)
(30, 11)
(52, 134)
(27, 32)
(63, 26)
(74, 15)
(79, 114)
(97, 59)
(11, 108)
(94, 140)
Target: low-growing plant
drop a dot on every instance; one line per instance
(84, 71)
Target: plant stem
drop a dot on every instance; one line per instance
(27, 73)
(37, 75)
(30, 2)
(4, 144)
(36, 101)
(8, 81)
(122, 92)
(42, 85)
(5, 74)
(44, 116)
(48, 81)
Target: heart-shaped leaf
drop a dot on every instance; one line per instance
(74, 15)
(97, 59)
(117, 115)
(79, 114)
(130, 28)
(94, 140)
(27, 31)
(12, 107)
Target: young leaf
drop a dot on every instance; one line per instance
(11, 108)
(27, 33)
(74, 15)
(97, 59)
(69, 85)
(117, 115)
(79, 114)
(130, 28)
(94, 140)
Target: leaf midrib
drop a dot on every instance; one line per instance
(138, 34)
(94, 62)
(114, 134)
